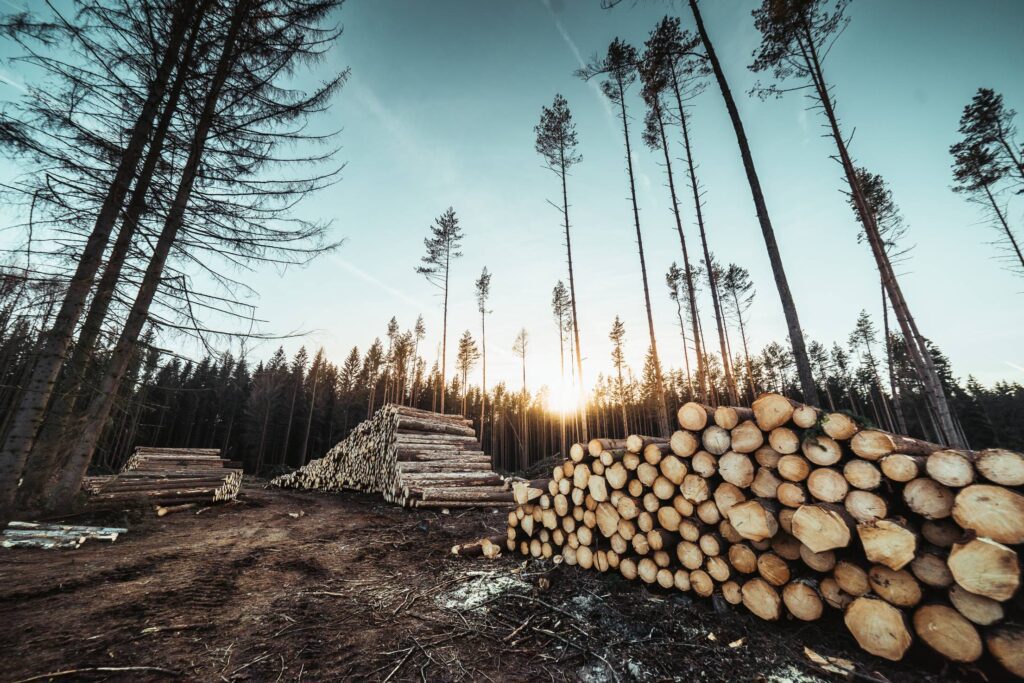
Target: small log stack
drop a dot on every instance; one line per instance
(412, 457)
(790, 511)
(50, 536)
(168, 476)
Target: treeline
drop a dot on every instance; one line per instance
(279, 413)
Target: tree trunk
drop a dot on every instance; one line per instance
(572, 295)
(483, 357)
(36, 396)
(309, 420)
(91, 425)
(659, 386)
(916, 346)
(796, 335)
(712, 280)
(691, 296)
(897, 403)
(1004, 225)
(444, 327)
(50, 437)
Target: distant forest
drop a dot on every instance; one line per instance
(279, 413)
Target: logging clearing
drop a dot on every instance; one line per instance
(677, 497)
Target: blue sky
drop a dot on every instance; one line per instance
(440, 112)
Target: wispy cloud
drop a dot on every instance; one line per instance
(379, 284)
(439, 164)
(17, 85)
(567, 39)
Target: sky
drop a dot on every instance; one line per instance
(440, 110)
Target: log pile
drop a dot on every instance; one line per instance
(167, 476)
(790, 511)
(412, 457)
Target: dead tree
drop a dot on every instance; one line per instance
(37, 393)
(260, 42)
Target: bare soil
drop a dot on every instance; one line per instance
(286, 586)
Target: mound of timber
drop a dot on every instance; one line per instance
(791, 511)
(412, 457)
(168, 476)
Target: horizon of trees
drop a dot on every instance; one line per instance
(278, 413)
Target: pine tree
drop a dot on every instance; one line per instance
(466, 358)
(985, 157)
(618, 338)
(442, 248)
(483, 293)
(561, 308)
(794, 36)
(738, 296)
(556, 142)
(617, 69)
(796, 334)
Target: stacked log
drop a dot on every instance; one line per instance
(49, 536)
(791, 511)
(412, 457)
(167, 476)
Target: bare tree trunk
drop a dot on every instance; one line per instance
(901, 422)
(561, 369)
(291, 419)
(746, 350)
(572, 295)
(483, 357)
(70, 478)
(691, 296)
(686, 353)
(63, 403)
(916, 346)
(622, 403)
(1004, 225)
(32, 406)
(309, 419)
(444, 329)
(796, 335)
(659, 387)
(712, 278)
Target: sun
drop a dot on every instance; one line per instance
(563, 399)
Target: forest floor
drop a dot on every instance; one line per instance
(286, 586)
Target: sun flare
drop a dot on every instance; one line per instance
(563, 399)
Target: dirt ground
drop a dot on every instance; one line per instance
(353, 588)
